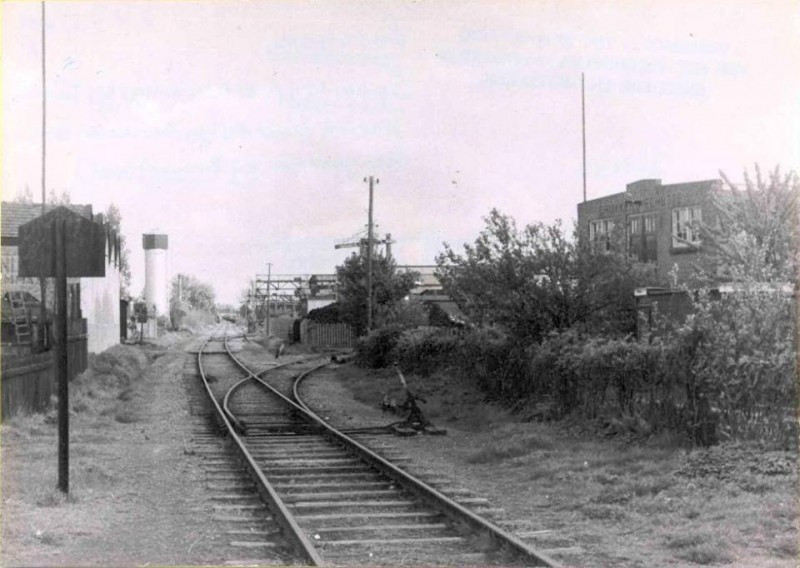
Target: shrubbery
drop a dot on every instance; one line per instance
(375, 349)
(722, 375)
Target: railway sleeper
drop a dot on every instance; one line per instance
(323, 486)
(327, 470)
(299, 462)
(350, 558)
(323, 454)
(355, 494)
(268, 444)
(399, 544)
(382, 531)
(374, 518)
(356, 506)
(311, 478)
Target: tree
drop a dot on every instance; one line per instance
(114, 219)
(194, 293)
(25, 196)
(389, 288)
(55, 199)
(536, 280)
(754, 231)
(739, 349)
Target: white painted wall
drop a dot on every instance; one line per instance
(100, 307)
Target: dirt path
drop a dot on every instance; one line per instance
(137, 495)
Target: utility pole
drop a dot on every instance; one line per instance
(43, 339)
(44, 113)
(372, 181)
(62, 355)
(269, 290)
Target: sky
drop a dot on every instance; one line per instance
(244, 130)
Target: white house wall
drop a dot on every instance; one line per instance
(100, 307)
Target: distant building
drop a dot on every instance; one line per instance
(426, 281)
(95, 299)
(654, 222)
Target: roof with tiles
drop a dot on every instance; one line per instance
(13, 214)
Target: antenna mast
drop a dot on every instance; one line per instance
(583, 132)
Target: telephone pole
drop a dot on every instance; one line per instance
(372, 182)
(43, 340)
(269, 290)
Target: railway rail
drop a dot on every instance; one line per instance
(336, 500)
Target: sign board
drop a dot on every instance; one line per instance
(85, 243)
(141, 312)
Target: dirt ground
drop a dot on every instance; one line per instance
(138, 495)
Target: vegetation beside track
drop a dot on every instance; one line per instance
(619, 502)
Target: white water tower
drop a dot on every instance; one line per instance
(155, 272)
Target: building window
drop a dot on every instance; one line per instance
(642, 237)
(600, 232)
(686, 226)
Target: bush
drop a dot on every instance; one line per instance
(597, 376)
(425, 349)
(374, 350)
(490, 358)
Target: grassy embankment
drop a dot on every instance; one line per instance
(627, 497)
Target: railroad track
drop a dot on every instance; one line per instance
(336, 501)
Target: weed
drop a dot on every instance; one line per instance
(652, 486)
(603, 512)
(126, 415)
(510, 443)
(616, 495)
(706, 553)
(606, 478)
(494, 454)
(786, 547)
(48, 539)
(700, 547)
(126, 394)
(692, 513)
(756, 485)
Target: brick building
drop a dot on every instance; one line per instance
(654, 222)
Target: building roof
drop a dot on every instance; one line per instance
(13, 214)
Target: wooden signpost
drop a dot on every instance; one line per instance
(62, 244)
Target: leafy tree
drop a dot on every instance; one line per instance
(537, 280)
(389, 288)
(740, 345)
(754, 232)
(192, 292)
(114, 219)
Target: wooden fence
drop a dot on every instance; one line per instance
(29, 379)
(327, 334)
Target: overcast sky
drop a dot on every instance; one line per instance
(244, 129)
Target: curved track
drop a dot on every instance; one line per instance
(336, 501)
